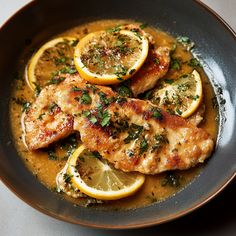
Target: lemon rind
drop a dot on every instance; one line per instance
(195, 104)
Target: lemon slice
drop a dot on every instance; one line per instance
(180, 96)
(96, 178)
(108, 58)
(50, 51)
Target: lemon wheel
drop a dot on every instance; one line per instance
(108, 58)
(30, 72)
(180, 96)
(94, 177)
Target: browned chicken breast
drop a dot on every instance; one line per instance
(154, 68)
(132, 134)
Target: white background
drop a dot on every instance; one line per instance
(18, 219)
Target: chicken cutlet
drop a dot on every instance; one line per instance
(154, 68)
(132, 134)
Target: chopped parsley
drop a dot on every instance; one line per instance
(132, 71)
(160, 140)
(169, 81)
(52, 154)
(130, 153)
(86, 113)
(133, 132)
(105, 118)
(85, 99)
(143, 145)
(183, 39)
(121, 100)
(186, 42)
(103, 98)
(22, 102)
(37, 88)
(194, 63)
(56, 80)
(175, 64)
(157, 114)
(92, 87)
(196, 97)
(65, 70)
(124, 91)
(178, 111)
(136, 33)
(114, 30)
(149, 95)
(76, 89)
(52, 107)
(74, 42)
(69, 144)
(183, 87)
(143, 26)
(121, 71)
(59, 61)
(67, 178)
(96, 155)
(93, 119)
(171, 179)
(156, 61)
(41, 116)
(214, 101)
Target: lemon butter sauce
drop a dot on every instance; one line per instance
(46, 164)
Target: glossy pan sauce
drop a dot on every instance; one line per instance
(45, 166)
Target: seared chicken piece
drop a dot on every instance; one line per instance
(132, 134)
(46, 122)
(154, 68)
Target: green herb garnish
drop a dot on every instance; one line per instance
(52, 155)
(124, 91)
(169, 81)
(22, 102)
(143, 146)
(93, 119)
(41, 116)
(171, 179)
(56, 80)
(143, 26)
(133, 132)
(194, 63)
(52, 107)
(114, 30)
(85, 99)
(175, 64)
(67, 178)
(132, 71)
(157, 114)
(76, 89)
(37, 88)
(160, 141)
(105, 119)
(186, 42)
(156, 61)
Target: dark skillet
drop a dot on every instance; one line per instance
(217, 45)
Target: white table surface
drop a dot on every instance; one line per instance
(18, 219)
